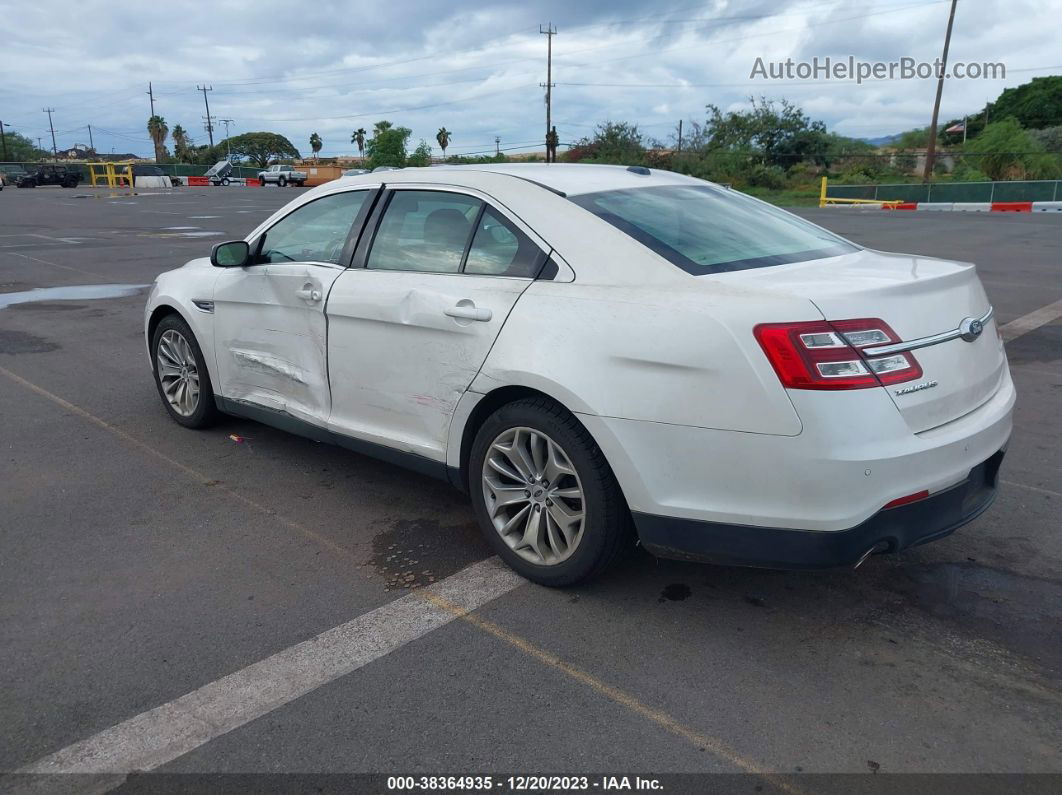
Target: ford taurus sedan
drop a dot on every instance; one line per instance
(600, 355)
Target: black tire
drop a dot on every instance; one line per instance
(261, 182)
(206, 412)
(225, 181)
(607, 526)
(281, 182)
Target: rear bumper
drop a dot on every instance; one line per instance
(889, 530)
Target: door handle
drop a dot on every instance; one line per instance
(308, 293)
(469, 311)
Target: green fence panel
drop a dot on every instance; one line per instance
(1009, 191)
(960, 192)
(913, 192)
(851, 191)
(1038, 191)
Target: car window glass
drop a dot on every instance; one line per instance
(316, 232)
(500, 249)
(707, 229)
(424, 231)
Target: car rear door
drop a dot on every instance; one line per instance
(412, 322)
(269, 326)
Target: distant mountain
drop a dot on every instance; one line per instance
(882, 140)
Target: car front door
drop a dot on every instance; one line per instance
(412, 322)
(269, 325)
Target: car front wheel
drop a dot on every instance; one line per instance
(181, 374)
(544, 494)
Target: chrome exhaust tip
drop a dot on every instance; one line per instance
(881, 546)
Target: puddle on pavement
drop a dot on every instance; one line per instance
(418, 552)
(675, 592)
(81, 292)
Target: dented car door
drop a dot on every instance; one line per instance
(270, 330)
(410, 325)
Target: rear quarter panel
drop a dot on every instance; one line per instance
(684, 355)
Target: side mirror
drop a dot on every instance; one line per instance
(234, 254)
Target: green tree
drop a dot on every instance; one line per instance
(158, 131)
(612, 142)
(1036, 104)
(779, 132)
(1005, 151)
(182, 145)
(421, 155)
(21, 149)
(1050, 138)
(358, 137)
(443, 137)
(262, 147)
(315, 144)
(913, 139)
(387, 147)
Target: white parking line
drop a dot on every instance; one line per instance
(1031, 321)
(166, 732)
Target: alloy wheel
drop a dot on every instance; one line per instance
(178, 373)
(533, 496)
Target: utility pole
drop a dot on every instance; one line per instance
(227, 122)
(3, 140)
(209, 124)
(931, 149)
(549, 33)
(151, 96)
(497, 144)
(55, 149)
(680, 136)
(92, 146)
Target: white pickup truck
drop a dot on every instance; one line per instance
(282, 175)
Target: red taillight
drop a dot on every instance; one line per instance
(917, 496)
(829, 354)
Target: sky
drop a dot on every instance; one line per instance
(476, 67)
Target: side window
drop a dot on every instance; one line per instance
(424, 231)
(500, 249)
(316, 232)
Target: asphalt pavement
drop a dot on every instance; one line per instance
(141, 562)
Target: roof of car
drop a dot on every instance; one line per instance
(570, 179)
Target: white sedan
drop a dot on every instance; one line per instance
(596, 353)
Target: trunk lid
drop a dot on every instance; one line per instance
(918, 297)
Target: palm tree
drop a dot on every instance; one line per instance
(181, 142)
(315, 144)
(158, 131)
(359, 138)
(443, 137)
(381, 126)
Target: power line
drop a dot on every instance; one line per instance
(55, 149)
(549, 33)
(209, 124)
(931, 148)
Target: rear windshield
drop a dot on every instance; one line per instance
(706, 229)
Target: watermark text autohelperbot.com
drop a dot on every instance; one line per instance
(851, 68)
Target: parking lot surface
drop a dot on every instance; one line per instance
(142, 563)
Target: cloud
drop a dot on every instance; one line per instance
(475, 67)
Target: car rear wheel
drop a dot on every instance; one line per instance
(281, 182)
(181, 374)
(544, 494)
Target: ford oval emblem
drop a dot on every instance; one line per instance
(971, 329)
